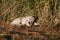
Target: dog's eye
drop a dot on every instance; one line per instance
(30, 19)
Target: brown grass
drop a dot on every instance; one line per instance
(46, 10)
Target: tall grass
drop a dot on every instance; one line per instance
(46, 10)
(10, 9)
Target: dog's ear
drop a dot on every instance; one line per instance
(36, 17)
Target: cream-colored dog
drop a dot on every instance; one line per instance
(27, 20)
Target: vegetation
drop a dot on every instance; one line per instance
(48, 12)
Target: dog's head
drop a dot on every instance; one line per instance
(29, 20)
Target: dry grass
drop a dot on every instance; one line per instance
(46, 10)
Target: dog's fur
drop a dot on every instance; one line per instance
(27, 20)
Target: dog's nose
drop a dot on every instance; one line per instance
(29, 22)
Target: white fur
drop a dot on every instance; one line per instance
(23, 21)
(36, 24)
(16, 21)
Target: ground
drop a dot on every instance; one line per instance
(29, 33)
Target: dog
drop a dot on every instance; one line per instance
(27, 20)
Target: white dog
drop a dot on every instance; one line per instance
(27, 20)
